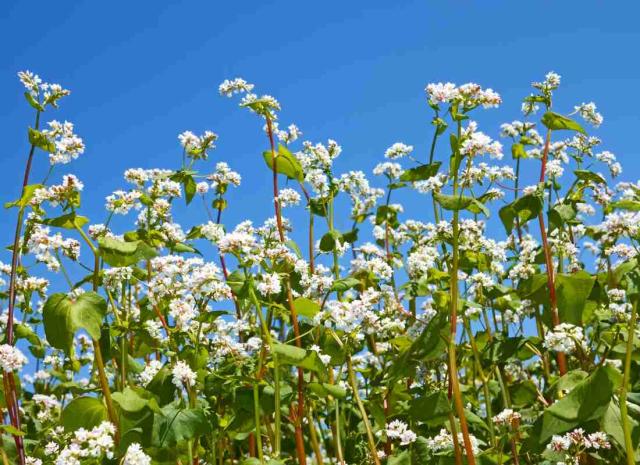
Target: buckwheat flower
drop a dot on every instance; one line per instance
(150, 370)
(565, 337)
(292, 133)
(441, 92)
(323, 357)
(197, 147)
(30, 81)
(398, 150)
(399, 430)
(269, 285)
(223, 177)
(173, 232)
(121, 202)
(444, 441)
(589, 113)
(234, 86)
(391, 170)
(288, 197)
(212, 231)
(136, 456)
(11, 358)
(32, 461)
(554, 168)
(507, 418)
(479, 143)
(154, 328)
(68, 146)
(551, 82)
(51, 448)
(202, 187)
(183, 375)
(182, 312)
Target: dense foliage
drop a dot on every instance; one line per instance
(431, 343)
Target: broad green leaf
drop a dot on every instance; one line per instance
(129, 400)
(629, 205)
(525, 209)
(589, 176)
(518, 151)
(461, 202)
(64, 316)
(189, 188)
(41, 141)
(306, 307)
(68, 221)
(573, 291)
(292, 355)
(420, 173)
(27, 195)
(83, 412)
(326, 389)
(176, 425)
(328, 241)
(344, 284)
(557, 122)
(433, 409)
(286, 163)
(121, 253)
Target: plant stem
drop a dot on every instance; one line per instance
(624, 415)
(555, 317)
(299, 437)
(454, 383)
(365, 419)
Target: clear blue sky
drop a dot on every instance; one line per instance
(143, 71)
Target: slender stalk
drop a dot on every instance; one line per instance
(454, 383)
(626, 425)
(299, 437)
(555, 317)
(365, 419)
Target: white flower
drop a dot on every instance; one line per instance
(269, 285)
(183, 375)
(398, 150)
(287, 197)
(399, 430)
(136, 456)
(151, 369)
(589, 113)
(564, 338)
(234, 86)
(11, 358)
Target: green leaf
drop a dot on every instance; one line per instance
(573, 291)
(557, 122)
(420, 173)
(41, 141)
(11, 430)
(629, 205)
(328, 241)
(27, 195)
(176, 425)
(518, 151)
(286, 163)
(460, 202)
(189, 188)
(589, 176)
(33, 102)
(68, 221)
(121, 253)
(433, 409)
(326, 390)
(83, 412)
(63, 316)
(129, 400)
(525, 209)
(306, 307)
(344, 284)
(292, 355)
(588, 401)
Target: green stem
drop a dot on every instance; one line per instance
(365, 419)
(626, 426)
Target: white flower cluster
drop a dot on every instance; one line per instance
(84, 444)
(68, 146)
(470, 95)
(565, 337)
(400, 430)
(576, 442)
(182, 375)
(135, 456)
(11, 358)
(443, 441)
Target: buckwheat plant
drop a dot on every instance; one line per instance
(492, 319)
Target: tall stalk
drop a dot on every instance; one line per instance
(626, 425)
(454, 383)
(299, 417)
(548, 258)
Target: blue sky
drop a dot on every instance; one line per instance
(141, 72)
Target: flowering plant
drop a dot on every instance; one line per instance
(402, 340)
